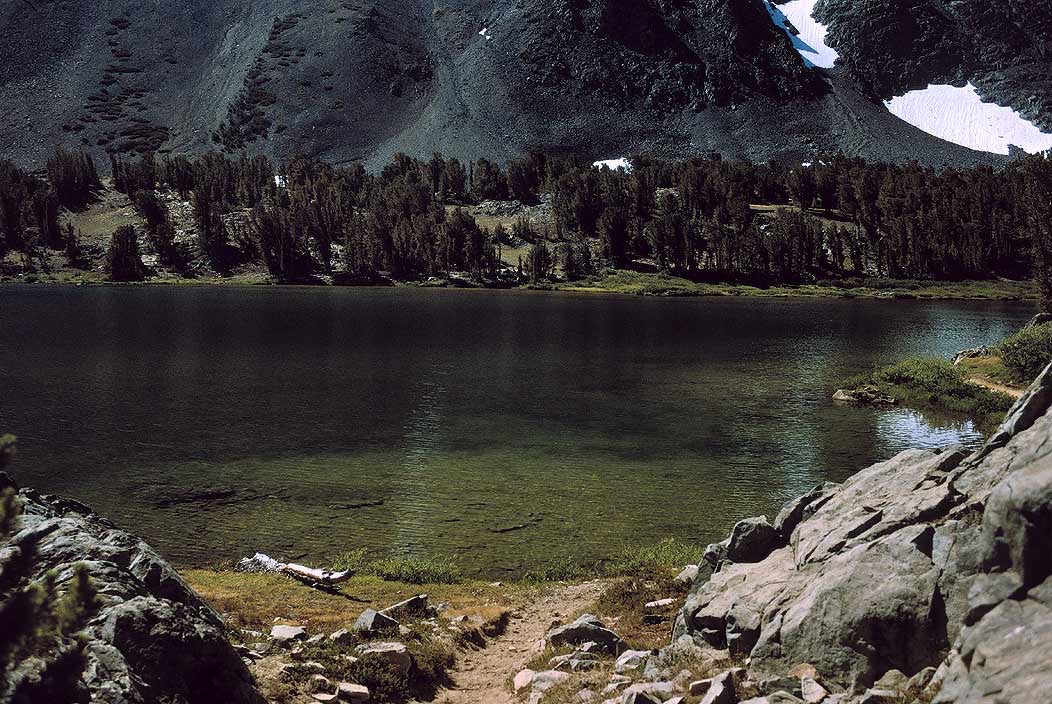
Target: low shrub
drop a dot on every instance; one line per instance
(408, 569)
(355, 560)
(625, 600)
(936, 384)
(432, 660)
(386, 682)
(1026, 353)
(416, 570)
(667, 557)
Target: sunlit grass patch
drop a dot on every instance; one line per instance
(665, 558)
(254, 601)
(409, 569)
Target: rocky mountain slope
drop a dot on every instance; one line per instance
(1002, 47)
(363, 79)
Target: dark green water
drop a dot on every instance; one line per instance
(320, 420)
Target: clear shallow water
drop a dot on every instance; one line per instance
(217, 422)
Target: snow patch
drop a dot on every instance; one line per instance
(811, 40)
(960, 116)
(621, 164)
(485, 34)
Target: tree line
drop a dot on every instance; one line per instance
(705, 219)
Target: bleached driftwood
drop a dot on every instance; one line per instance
(262, 563)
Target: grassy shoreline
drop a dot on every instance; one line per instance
(634, 283)
(981, 384)
(630, 283)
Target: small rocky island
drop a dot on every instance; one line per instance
(923, 579)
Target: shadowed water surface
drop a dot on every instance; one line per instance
(504, 429)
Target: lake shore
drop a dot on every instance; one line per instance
(625, 282)
(640, 629)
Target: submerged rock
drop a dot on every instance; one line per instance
(868, 395)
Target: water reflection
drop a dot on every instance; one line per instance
(904, 428)
(501, 428)
(424, 441)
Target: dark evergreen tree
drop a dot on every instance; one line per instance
(73, 178)
(123, 261)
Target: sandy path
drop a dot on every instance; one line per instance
(482, 676)
(994, 386)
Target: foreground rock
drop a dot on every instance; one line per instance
(148, 636)
(371, 622)
(586, 629)
(928, 576)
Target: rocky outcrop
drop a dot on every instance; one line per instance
(148, 637)
(928, 575)
(587, 629)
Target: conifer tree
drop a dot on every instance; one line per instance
(123, 260)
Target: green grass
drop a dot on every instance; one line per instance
(988, 368)
(651, 284)
(405, 569)
(668, 557)
(562, 569)
(658, 561)
(1026, 353)
(935, 384)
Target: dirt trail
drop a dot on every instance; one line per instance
(994, 386)
(482, 676)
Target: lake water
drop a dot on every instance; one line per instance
(505, 429)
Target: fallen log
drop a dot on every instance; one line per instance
(262, 563)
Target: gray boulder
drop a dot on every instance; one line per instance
(587, 628)
(1017, 524)
(631, 660)
(640, 698)
(722, 689)
(287, 634)
(688, 575)
(801, 508)
(1039, 319)
(752, 540)
(414, 605)
(715, 553)
(372, 621)
(394, 653)
(893, 572)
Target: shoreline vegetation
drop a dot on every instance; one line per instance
(840, 227)
(980, 383)
(631, 283)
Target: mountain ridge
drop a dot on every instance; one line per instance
(361, 80)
